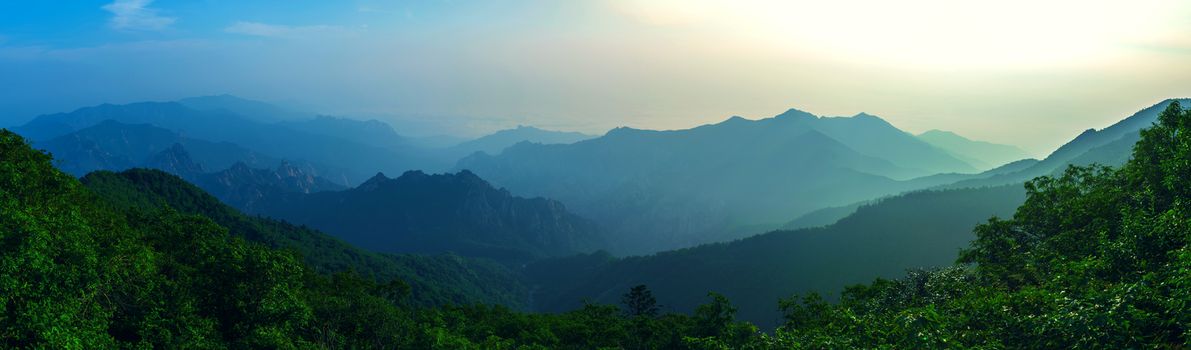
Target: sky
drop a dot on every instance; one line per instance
(1032, 73)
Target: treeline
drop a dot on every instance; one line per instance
(1095, 258)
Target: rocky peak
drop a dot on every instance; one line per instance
(175, 160)
(374, 182)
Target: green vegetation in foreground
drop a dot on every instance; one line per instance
(1095, 258)
(434, 280)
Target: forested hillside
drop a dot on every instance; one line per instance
(434, 279)
(884, 239)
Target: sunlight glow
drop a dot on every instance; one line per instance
(934, 33)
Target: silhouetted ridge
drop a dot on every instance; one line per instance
(718, 181)
(430, 213)
(794, 113)
(373, 182)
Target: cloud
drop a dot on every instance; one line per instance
(277, 30)
(136, 15)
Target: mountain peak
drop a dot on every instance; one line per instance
(794, 113)
(937, 132)
(240, 167)
(466, 176)
(289, 169)
(175, 160)
(863, 115)
(622, 130)
(375, 181)
(408, 174)
(734, 119)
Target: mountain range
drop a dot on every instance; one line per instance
(846, 191)
(221, 130)
(830, 248)
(496, 142)
(1111, 146)
(686, 187)
(980, 154)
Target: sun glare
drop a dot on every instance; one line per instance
(932, 33)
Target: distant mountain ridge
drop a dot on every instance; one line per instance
(423, 213)
(256, 110)
(345, 150)
(692, 186)
(112, 145)
(115, 146)
(282, 140)
(496, 142)
(1110, 146)
(983, 155)
(371, 132)
(920, 229)
(242, 187)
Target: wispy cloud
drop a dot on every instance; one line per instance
(136, 15)
(368, 9)
(277, 30)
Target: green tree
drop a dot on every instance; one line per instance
(639, 301)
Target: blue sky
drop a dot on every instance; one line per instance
(1030, 73)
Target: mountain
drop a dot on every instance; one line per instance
(822, 217)
(1095, 256)
(883, 239)
(111, 145)
(983, 155)
(370, 132)
(460, 280)
(114, 146)
(242, 187)
(254, 110)
(920, 229)
(436, 141)
(355, 159)
(173, 116)
(498, 141)
(871, 135)
(659, 190)
(176, 160)
(1109, 146)
(423, 213)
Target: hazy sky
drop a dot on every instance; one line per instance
(1028, 72)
